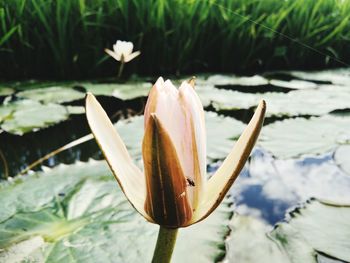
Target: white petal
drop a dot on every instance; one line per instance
(132, 56)
(128, 175)
(112, 54)
(127, 49)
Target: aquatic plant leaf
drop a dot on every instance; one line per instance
(301, 136)
(334, 76)
(220, 80)
(324, 226)
(4, 91)
(341, 157)
(293, 103)
(319, 230)
(77, 213)
(293, 84)
(52, 94)
(28, 115)
(5, 112)
(249, 242)
(121, 91)
(75, 109)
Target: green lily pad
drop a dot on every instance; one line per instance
(318, 232)
(293, 84)
(221, 134)
(335, 76)
(77, 213)
(5, 112)
(6, 91)
(342, 157)
(294, 103)
(298, 137)
(121, 91)
(75, 109)
(255, 80)
(26, 115)
(323, 226)
(249, 242)
(52, 94)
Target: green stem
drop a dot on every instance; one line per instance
(121, 67)
(165, 245)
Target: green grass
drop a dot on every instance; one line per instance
(65, 39)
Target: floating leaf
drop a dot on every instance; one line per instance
(293, 84)
(77, 213)
(249, 242)
(334, 76)
(300, 136)
(293, 103)
(6, 91)
(121, 91)
(52, 94)
(341, 157)
(27, 115)
(323, 226)
(255, 80)
(5, 112)
(320, 230)
(75, 109)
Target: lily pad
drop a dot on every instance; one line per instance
(255, 80)
(335, 76)
(121, 91)
(77, 213)
(318, 231)
(342, 157)
(300, 136)
(75, 109)
(321, 225)
(5, 112)
(52, 94)
(249, 242)
(221, 134)
(293, 84)
(293, 103)
(6, 91)
(26, 115)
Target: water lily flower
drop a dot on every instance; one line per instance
(122, 51)
(173, 191)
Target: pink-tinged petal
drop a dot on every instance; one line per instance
(166, 203)
(112, 54)
(194, 143)
(222, 180)
(175, 111)
(131, 56)
(152, 99)
(129, 177)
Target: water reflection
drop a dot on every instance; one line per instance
(269, 187)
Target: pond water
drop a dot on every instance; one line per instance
(307, 122)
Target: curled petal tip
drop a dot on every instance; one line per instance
(192, 81)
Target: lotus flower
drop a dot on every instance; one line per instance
(122, 51)
(173, 191)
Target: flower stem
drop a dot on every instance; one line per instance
(121, 67)
(165, 245)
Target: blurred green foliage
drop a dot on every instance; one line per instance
(66, 38)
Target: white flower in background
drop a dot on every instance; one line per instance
(122, 51)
